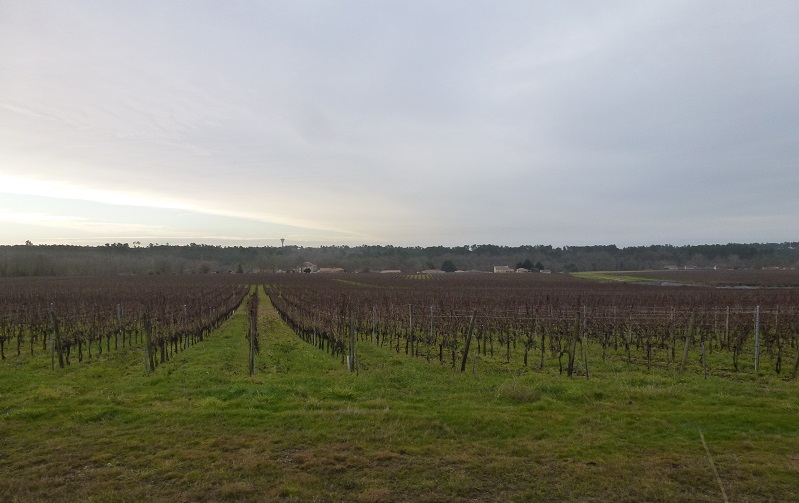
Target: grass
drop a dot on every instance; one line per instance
(304, 429)
(621, 277)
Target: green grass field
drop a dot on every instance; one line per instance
(622, 277)
(304, 429)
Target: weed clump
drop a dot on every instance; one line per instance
(518, 391)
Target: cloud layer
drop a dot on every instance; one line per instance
(404, 123)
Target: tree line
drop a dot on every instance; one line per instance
(124, 258)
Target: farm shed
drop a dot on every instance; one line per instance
(330, 269)
(503, 269)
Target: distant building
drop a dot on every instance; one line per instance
(503, 269)
(545, 271)
(329, 270)
(390, 271)
(433, 271)
(523, 270)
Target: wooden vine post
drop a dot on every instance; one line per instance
(252, 333)
(54, 331)
(353, 358)
(149, 364)
(757, 339)
(573, 347)
(468, 342)
(688, 336)
(584, 344)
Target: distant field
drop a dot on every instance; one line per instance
(408, 426)
(709, 277)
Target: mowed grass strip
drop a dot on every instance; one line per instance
(618, 276)
(304, 429)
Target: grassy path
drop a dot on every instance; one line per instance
(305, 429)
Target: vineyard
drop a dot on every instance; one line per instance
(71, 317)
(392, 387)
(530, 321)
(524, 321)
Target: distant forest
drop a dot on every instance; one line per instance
(123, 258)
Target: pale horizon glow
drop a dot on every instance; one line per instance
(403, 123)
(65, 190)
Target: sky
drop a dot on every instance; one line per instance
(410, 123)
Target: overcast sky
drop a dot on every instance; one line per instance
(404, 122)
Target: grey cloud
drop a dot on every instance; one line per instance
(420, 123)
